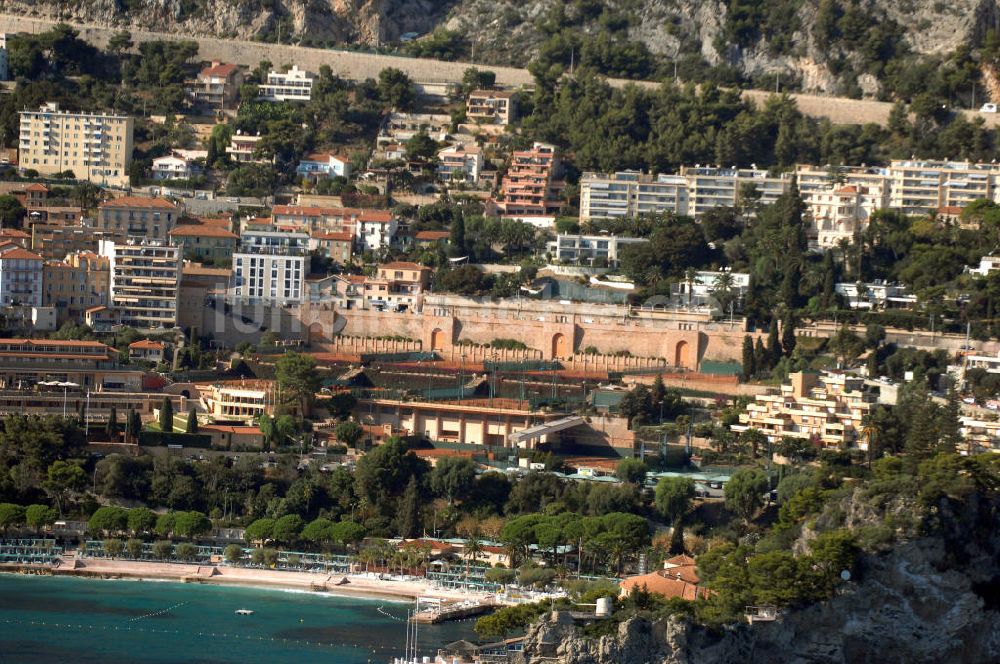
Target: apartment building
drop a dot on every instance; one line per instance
(145, 277)
(628, 194)
(73, 285)
(401, 127)
(135, 217)
(692, 192)
(922, 187)
(95, 147)
(375, 229)
(530, 190)
(16, 237)
(270, 267)
(590, 249)
(460, 163)
(217, 86)
(242, 146)
(179, 165)
(147, 350)
(704, 286)
(397, 286)
(20, 276)
(876, 295)
(292, 85)
(54, 243)
(711, 187)
(337, 245)
(492, 106)
(827, 409)
(204, 241)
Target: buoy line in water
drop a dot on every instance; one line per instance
(214, 635)
(158, 613)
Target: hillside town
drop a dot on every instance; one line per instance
(285, 321)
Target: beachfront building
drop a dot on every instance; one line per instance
(492, 106)
(20, 276)
(86, 364)
(216, 86)
(134, 217)
(601, 250)
(238, 401)
(144, 282)
(827, 409)
(93, 146)
(530, 190)
(292, 85)
(270, 267)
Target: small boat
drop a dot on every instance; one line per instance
(244, 612)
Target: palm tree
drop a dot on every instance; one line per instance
(722, 289)
(870, 432)
(690, 276)
(471, 550)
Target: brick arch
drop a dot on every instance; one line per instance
(681, 352)
(437, 339)
(560, 345)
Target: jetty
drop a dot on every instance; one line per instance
(431, 610)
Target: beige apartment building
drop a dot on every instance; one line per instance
(137, 217)
(95, 147)
(78, 283)
(492, 106)
(238, 401)
(828, 409)
(144, 283)
(922, 187)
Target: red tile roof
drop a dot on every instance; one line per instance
(219, 69)
(43, 343)
(13, 232)
(147, 344)
(403, 265)
(344, 236)
(139, 202)
(35, 186)
(202, 230)
(662, 584)
(432, 235)
(22, 254)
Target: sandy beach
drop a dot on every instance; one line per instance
(359, 585)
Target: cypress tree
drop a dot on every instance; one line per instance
(949, 424)
(788, 335)
(773, 347)
(409, 513)
(760, 357)
(749, 368)
(112, 427)
(457, 237)
(658, 393)
(192, 423)
(135, 424)
(167, 416)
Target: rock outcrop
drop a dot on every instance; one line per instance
(511, 31)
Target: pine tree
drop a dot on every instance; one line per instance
(457, 237)
(788, 335)
(949, 424)
(167, 416)
(409, 513)
(192, 423)
(773, 346)
(112, 427)
(749, 368)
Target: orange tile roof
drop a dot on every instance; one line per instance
(403, 265)
(42, 343)
(203, 230)
(661, 584)
(92, 310)
(339, 237)
(138, 201)
(13, 232)
(147, 344)
(432, 235)
(22, 254)
(225, 428)
(35, 186)
(219, 69)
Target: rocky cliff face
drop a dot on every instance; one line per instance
(511, 31)
(936, 599)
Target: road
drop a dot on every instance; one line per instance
(359, 66)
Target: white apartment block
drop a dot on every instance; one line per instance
(20, 277)
(375, 230)
(145, 277)
(876, 295)
(178, 165)
(95, 147)
(828, 409)
(922, 187)
(241, 148)
(460, 163)
(589, 249)
(270, 268)
(292, 85)
(693, 192)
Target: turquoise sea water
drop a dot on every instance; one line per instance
(61, 619)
